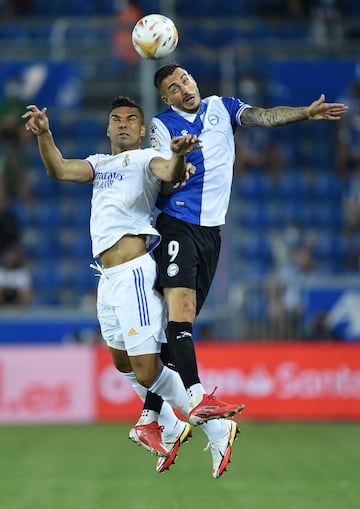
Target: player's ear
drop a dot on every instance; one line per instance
(107, 132)
(166, 100)
(142, 131)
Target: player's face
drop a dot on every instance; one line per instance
(180, 90)
(125, 129)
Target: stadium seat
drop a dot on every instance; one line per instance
(45, 245)
(14, 32)
(226, 35)
(252, 185)
(326, 186)
(328, 216)
(82, 278)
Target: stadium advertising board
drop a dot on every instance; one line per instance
(289, 381)
(276, 381)
(46, 384)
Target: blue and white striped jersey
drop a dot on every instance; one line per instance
(204, 199)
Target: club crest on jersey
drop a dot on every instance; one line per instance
(154, 142)
(184, 132)
(126, 160)
(172, 270)
(213, 119)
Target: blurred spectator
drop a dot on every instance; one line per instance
(352, 200)
(128, 13)
(285, 303)
(286, 243)
(352, 257)
(15, 278)
(15, 174)
(13, 8)
(327, 22)
(12, 106)
(296, 10)
(9, 226)
(256, 148)
(348, 132)
(321, 329)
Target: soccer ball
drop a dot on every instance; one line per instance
(154, 36)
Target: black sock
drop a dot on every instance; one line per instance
(153, 402)
(182, 352)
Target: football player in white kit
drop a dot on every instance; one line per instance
(126, 184)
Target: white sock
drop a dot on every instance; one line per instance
(138, 388)
(169, 386)
(148, 416)
(167, 417)
(195, 394)
(169, 420)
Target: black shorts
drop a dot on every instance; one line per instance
(187, 256)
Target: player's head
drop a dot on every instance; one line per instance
(126, 124)
(177, 88)
(121, 101)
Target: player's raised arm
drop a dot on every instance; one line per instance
(74, 170)
(284, 115)
(176, 169)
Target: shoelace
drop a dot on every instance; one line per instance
(211, 395)
(211, 446)
(208, 446)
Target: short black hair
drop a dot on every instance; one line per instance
(121, 100)
(164, 71)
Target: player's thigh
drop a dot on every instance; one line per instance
(209, 244)
(176, 256)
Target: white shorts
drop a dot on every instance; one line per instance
(131, 313)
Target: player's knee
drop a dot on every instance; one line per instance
(145, 377)
(146, 368)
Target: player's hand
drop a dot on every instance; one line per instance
(320, 110)
(36, 120)
(188, 171)
(182, 145)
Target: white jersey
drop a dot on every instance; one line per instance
(123, 199)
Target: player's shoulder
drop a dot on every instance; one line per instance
(95, 158)
(168, 112)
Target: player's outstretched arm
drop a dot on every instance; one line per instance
(176, 169)
(74, 170)
(284, 115)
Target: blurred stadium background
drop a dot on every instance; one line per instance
(291, 245)
(290, 259)
(281, 326)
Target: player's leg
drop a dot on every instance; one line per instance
(187, 259)
(221, 433)
(174, 431)
(124, 325)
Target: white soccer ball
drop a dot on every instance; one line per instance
(155, 36)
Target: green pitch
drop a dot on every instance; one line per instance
(274, 466)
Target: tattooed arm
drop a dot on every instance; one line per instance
(284, 115)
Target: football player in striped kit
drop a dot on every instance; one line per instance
(191, 217)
